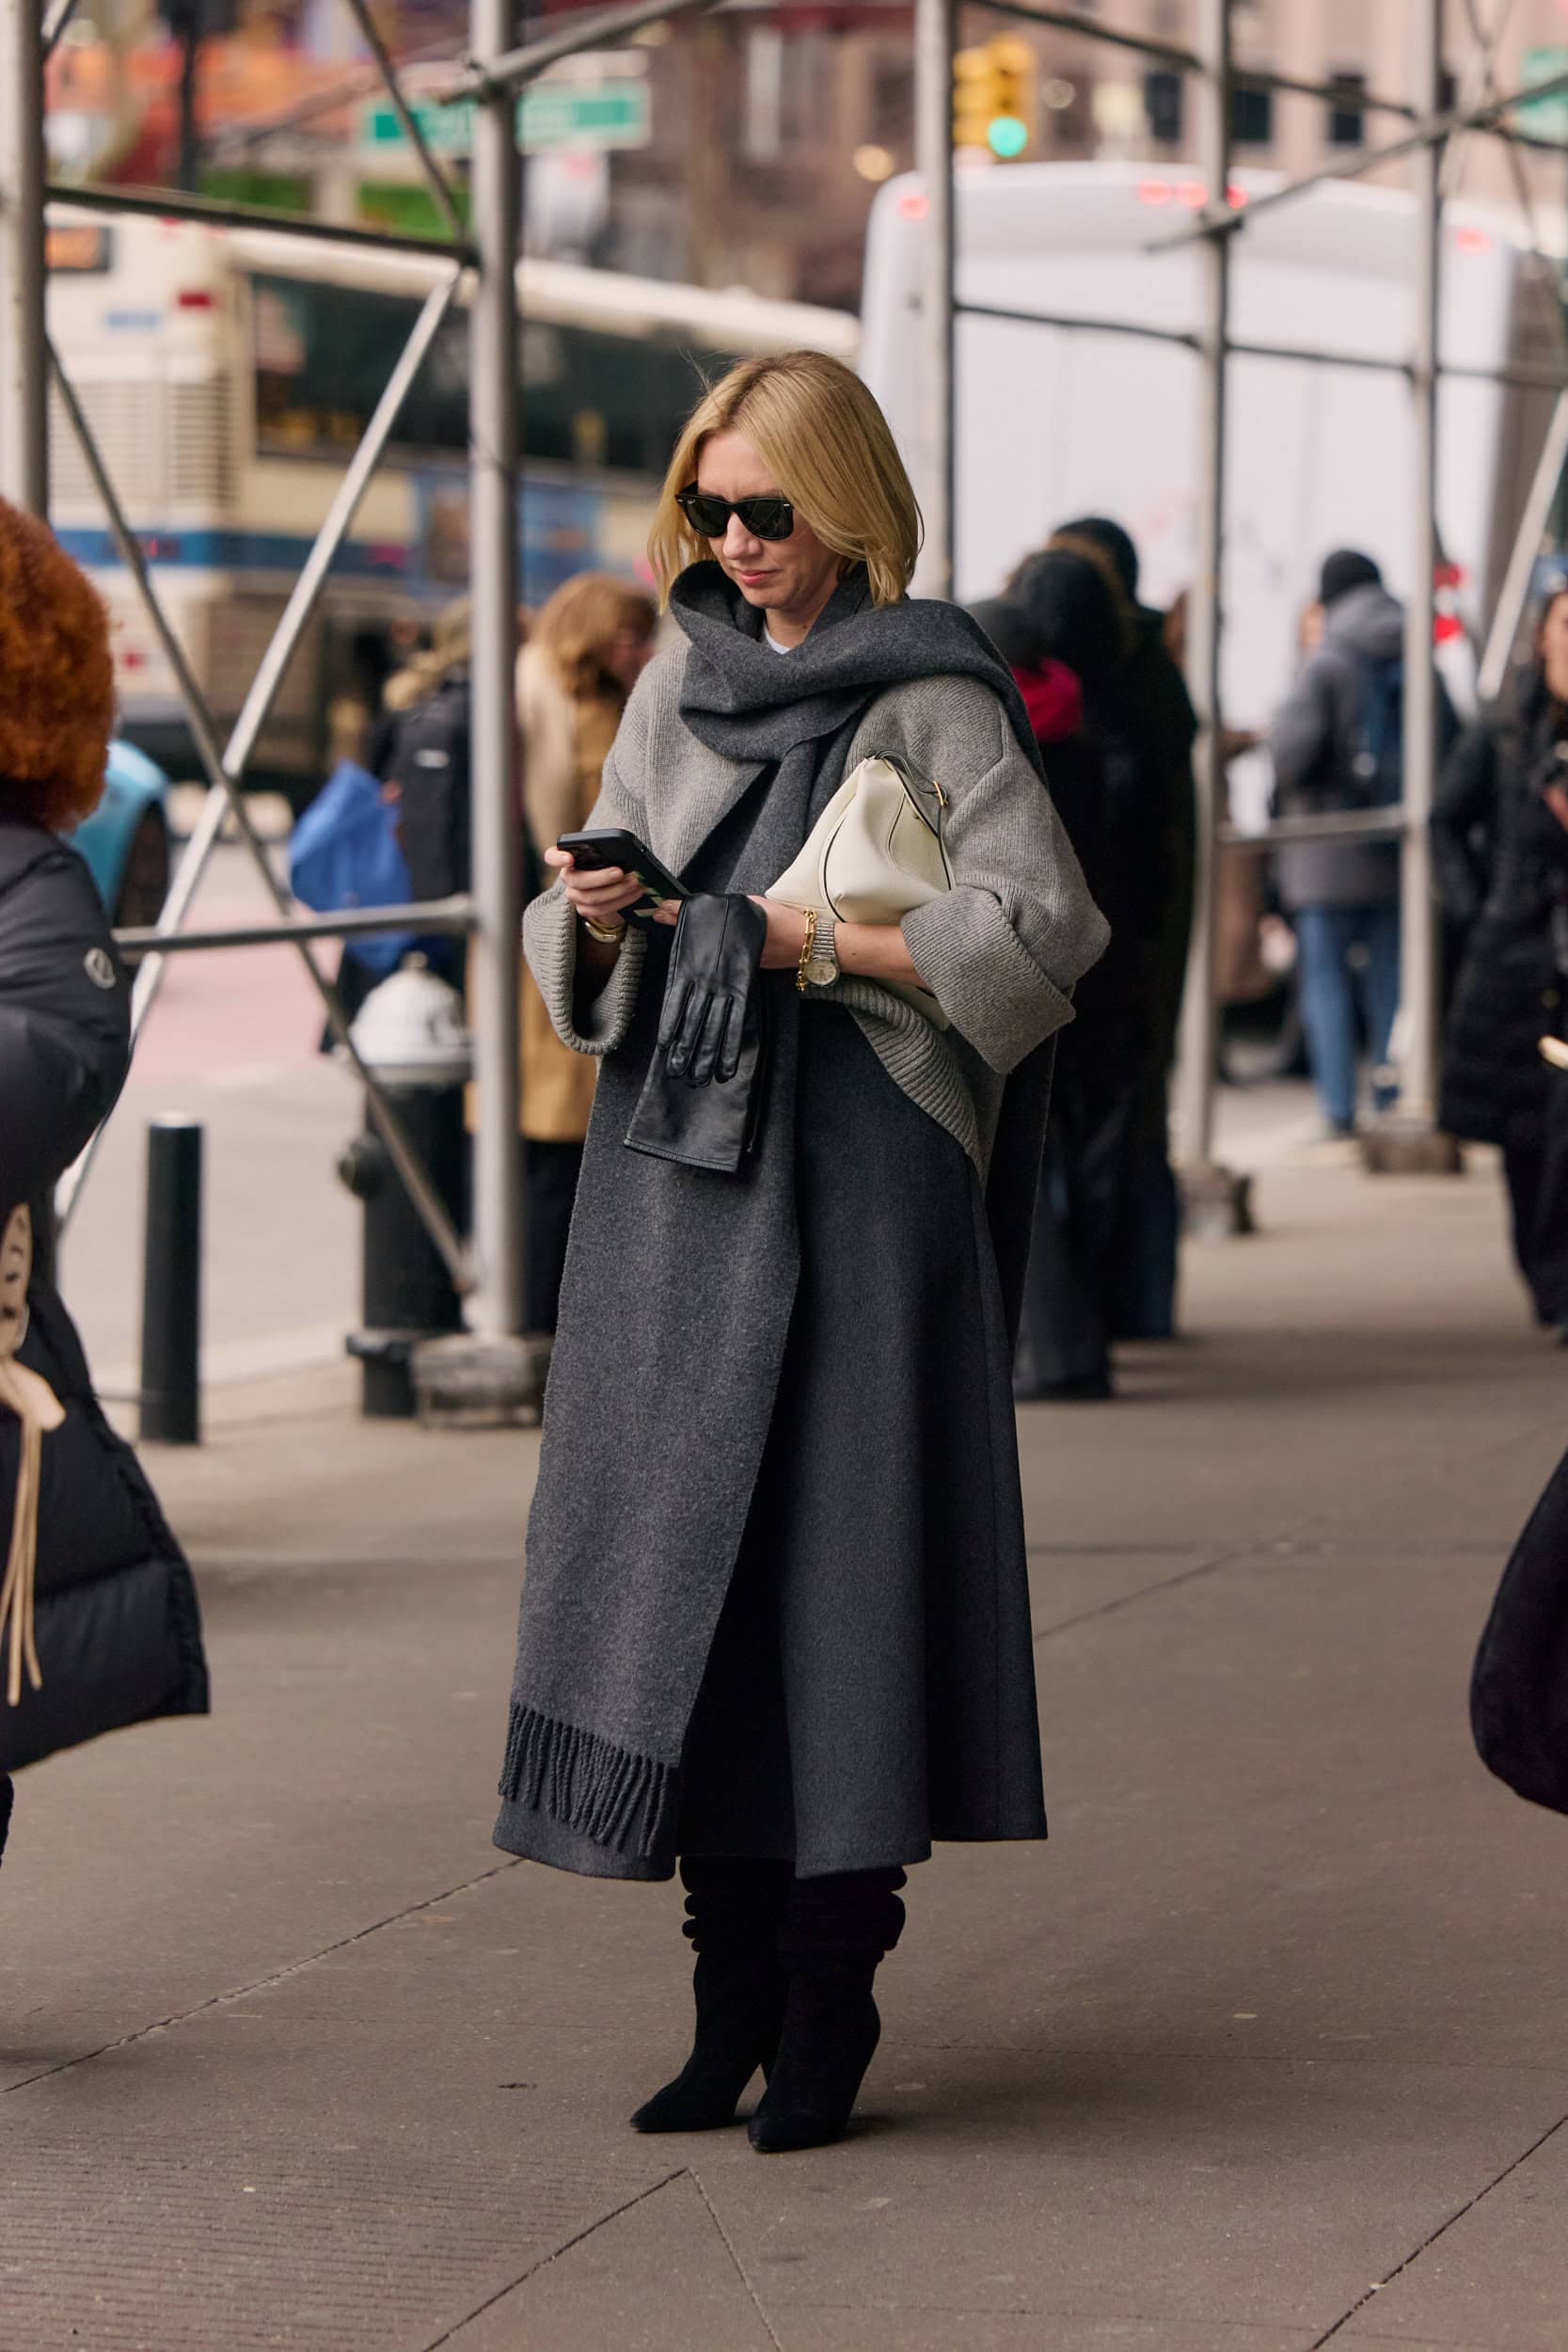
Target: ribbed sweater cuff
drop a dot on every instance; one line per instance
(550, 939)
(985, 979)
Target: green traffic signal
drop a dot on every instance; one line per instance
(1006, 136)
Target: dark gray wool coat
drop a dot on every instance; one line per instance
(776, 1597)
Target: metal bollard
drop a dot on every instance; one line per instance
(171, 1284)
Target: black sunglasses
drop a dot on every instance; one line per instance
(763, 517)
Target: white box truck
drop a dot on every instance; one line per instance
(1078, 416)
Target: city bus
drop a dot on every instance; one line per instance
(228, 376)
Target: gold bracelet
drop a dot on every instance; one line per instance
(607, 935)
(807, 949)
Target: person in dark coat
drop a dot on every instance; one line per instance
(1499, 831)
(775, 1623)
(1160, 712)
(1070, 604)
(99, 1625)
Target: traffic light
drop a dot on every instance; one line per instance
(993, 97)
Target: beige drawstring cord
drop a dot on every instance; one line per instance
(39, 1409)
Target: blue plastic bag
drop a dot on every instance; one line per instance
(344, 853)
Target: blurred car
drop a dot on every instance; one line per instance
(125, 841)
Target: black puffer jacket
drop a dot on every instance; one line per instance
(117, 1628)
(1501, 860)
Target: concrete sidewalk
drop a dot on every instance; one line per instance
(1266, 2049)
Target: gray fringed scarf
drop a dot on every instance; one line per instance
(680, 1284)
(751, 704)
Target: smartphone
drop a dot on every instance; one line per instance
(608, 845)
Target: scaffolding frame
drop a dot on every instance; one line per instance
(481, 256)
(487, 1272)
(1215, 227)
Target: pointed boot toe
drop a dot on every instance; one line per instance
(739, 2019)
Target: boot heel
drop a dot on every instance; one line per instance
(830, 2034)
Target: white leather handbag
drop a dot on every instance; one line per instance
(875, 854)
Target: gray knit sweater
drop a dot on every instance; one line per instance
(1000, 951)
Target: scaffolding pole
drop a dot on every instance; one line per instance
(1513, 597)
(1407, 1142)
(24, 379)
(1216, 1201)
(487, 1367)
(1417, 962)
(936, 37)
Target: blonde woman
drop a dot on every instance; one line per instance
(590, 646)
(776, 1619)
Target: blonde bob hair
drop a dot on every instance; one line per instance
(822, 435)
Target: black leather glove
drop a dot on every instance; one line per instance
(713, 971)
(702, 1101)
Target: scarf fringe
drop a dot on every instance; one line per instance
(607, 1793)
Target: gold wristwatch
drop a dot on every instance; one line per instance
(819, 965)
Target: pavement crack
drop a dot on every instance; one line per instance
(1147, 1592)
(739, 2266)
(1442, 2230)
(259, 1985)
(641, 2197)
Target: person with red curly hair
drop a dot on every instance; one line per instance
(99, 1624)
(57, 679)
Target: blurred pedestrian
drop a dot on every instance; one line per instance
(99, 1624)
(404, 642)
(1500, 844)
(775, 1622)
(1072, 602)
(427, 769)
(1164, 728)
(1338, 743)
(588, 646)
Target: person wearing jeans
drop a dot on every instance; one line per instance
(1344, 895)
(1350, 990)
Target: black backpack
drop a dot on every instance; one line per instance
(1374, 770)
(430, 765)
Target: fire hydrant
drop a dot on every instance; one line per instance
(410, 1037)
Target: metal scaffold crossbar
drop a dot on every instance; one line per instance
(479, 243)
(1433, 123)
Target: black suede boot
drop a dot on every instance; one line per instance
(735, 1910)
(836, 1931)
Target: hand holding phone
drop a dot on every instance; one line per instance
(610, 850)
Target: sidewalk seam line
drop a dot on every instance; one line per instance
(260, 1984)
(1335, 2054)
(1442, 2230)
(739, 2266)
(1147, 1592)
(450, 2334)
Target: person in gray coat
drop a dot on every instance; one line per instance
(775, 1623)
(1336, 745)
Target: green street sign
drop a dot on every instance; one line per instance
(585, 114)
(610, 112)
(448, 130)
(1547, 117)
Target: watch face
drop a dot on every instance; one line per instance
(821, 971)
